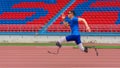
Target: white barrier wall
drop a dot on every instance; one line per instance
(41, 39)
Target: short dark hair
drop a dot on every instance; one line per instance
(72, 11)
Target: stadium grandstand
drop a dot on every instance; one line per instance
(43, 17)
(29, 17)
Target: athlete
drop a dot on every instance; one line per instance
(72, 21)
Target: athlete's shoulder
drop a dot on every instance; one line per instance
(75, 19)
(67, 18)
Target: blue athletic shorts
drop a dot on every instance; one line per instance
(75, 38)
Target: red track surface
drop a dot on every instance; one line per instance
(37, 57)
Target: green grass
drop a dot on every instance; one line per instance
(33, 44)
(103, 47)
(53, 44)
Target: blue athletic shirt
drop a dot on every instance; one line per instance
(73, 25)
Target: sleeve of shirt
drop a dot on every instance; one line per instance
(67, 19)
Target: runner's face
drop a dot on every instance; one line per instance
(70, 14)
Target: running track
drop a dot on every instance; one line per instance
(37, 57)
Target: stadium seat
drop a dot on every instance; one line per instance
(99, 18)
(28, 15)
(33, 15)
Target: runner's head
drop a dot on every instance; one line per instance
(71, 13)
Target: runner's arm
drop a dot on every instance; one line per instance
(63, 19)
(86, 24)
